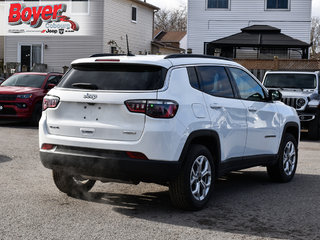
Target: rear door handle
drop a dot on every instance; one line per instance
(215, 106)
(252, 109)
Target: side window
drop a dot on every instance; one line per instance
(215, 81)
(193, 79)
(277, 4)
(218, 3)
(248, 88)
(54, 80)
(134, 14)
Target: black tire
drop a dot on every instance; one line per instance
(71, 185)
(180, 189)
(313, 130)
(284, 170)
(36, 115)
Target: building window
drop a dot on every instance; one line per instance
(218, 4)
(134, 14)
(30, 55)
(277, 4)
(80, 7)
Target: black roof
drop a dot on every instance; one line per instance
(260, 36)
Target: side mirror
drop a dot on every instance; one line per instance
(274, 95)
(50, 86)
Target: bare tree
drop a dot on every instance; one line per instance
(315, 35)
(174, 20)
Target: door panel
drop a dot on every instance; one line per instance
(263, 128)
(263, 123)
(228, 115)
(228, 118)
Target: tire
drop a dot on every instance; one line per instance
(71, 185)
(187, 191)
(36, 115)
(313, 131)
(285, 168)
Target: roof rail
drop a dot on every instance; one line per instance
(109, 55)
(195, 56)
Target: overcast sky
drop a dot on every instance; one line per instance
(177, 3)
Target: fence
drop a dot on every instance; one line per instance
(259, 67)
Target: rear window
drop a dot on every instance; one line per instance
(284, 80)
(115, 76)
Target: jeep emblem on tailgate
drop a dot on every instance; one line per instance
(90, 96)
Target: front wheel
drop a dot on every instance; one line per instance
(192, 189)
(71, 185)
(285, 168)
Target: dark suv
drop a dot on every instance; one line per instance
(21, 95)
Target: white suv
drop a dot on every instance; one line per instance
(177, 120)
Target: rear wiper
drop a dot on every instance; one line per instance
(85, 86)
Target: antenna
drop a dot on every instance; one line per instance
(128, 50)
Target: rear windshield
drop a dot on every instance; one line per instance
(281, 80)
(25, 80)
(115, 76)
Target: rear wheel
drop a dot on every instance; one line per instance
(71, 185)
(192, 189)
(285, 168)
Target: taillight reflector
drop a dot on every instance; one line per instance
(137, 155)
(46, 146)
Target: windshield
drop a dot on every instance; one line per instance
(115, 77)
(284, 80)
(25, 80)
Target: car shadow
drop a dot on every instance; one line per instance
(4, 158)
(244, 202)
(15, 124)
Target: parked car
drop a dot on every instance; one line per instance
(299, 90)
(21, 95)
(2, 80)
(177, 120)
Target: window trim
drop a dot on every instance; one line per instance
(277, 9)
(134, 21)
(218, 9)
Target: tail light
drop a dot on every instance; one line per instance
(153, 108)
(46, 146)
(137, 155)
(50, 102)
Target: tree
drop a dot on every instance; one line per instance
(315, 35)
(174, 20)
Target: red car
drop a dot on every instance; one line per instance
(21, 95)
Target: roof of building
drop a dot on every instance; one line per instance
(260, 36)
(172, 36)
(146, 4)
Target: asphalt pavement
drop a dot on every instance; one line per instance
(245, 205)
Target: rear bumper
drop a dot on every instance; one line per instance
(109, 164)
